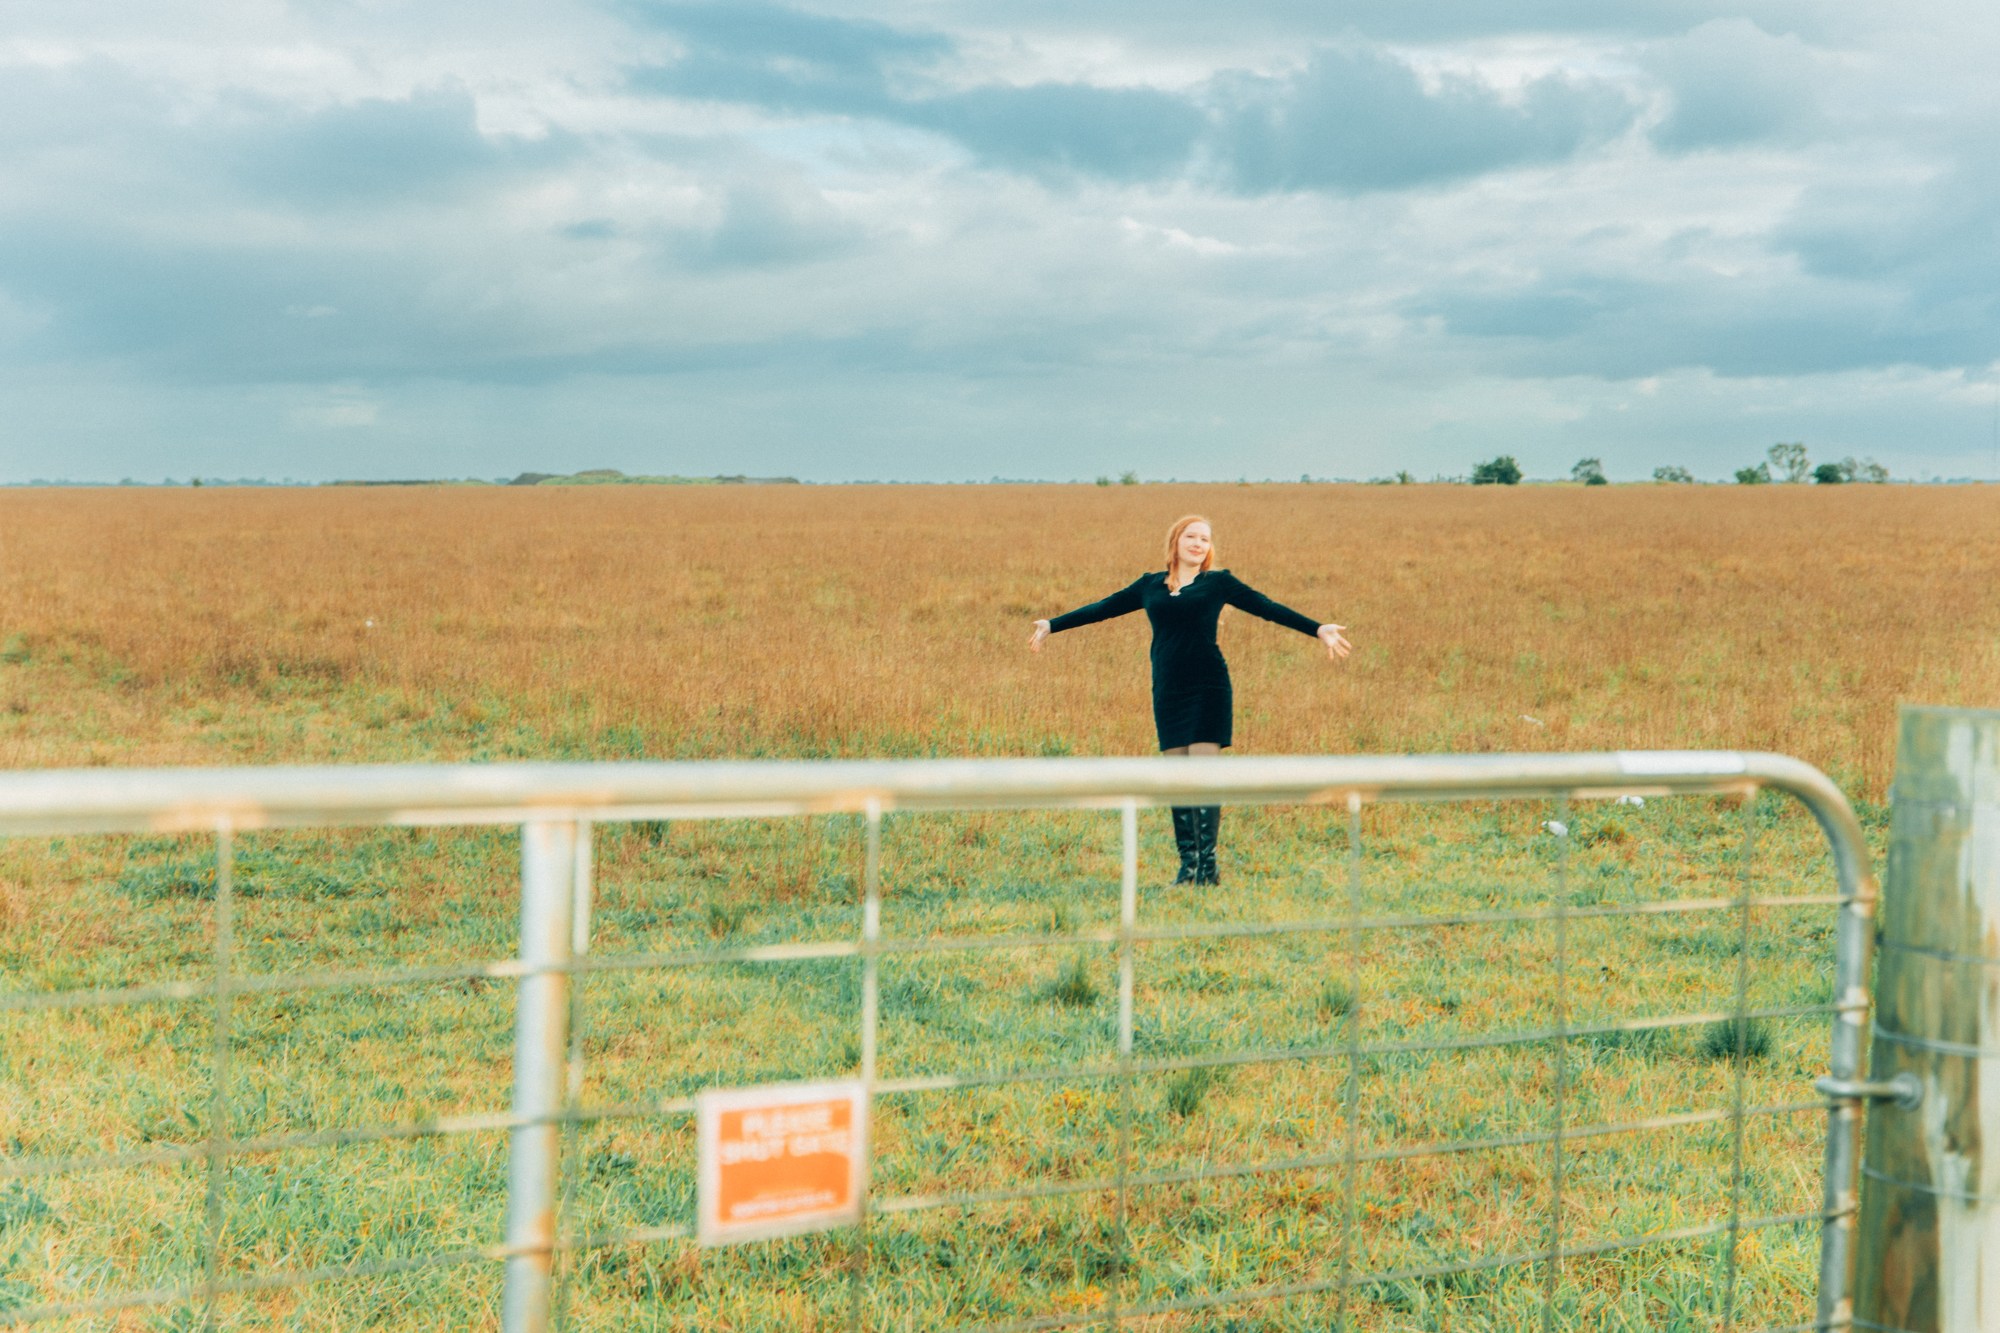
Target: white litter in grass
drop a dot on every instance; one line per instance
(1556, 827)
(1531, 721)
(1631, 800)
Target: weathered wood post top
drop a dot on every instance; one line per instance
(1928, 1253)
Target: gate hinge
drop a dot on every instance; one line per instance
(1905, 1090)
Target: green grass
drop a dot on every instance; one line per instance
(1185, 1092)
(302, 1061)
(1073, 986)
(1737, 1039)
(109, 911)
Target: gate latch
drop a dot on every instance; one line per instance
(1906, 1090)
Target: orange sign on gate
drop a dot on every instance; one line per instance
(780, 1160)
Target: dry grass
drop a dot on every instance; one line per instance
(137, 1076)
(220, 626)
(859, 620)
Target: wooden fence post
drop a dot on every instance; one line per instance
(1928, 1252)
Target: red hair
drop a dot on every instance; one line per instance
(1174, 544)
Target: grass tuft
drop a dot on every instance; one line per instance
(167, 880)
(1612, 832)
(1336, 999)
(725, 919)
(1073, 986)
(1731, 1039)
(1185, 1093)
(20, 1206)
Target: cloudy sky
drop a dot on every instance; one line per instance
(955, 239)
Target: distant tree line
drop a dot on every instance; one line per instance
(1785, 462)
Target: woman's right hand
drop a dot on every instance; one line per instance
(1041, 632)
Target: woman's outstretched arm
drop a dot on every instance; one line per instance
(1241, 595)
(1120, 603)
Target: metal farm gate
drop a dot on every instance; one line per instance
(558, 806)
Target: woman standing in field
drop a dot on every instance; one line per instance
(1192, 703)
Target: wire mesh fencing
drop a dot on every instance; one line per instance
(1541, 1055)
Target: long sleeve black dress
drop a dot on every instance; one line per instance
(1192, 701)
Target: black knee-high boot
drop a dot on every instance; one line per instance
(1208, 827)
(1187, 842)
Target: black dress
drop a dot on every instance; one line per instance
(1191, 696)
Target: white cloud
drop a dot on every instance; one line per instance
(1729, 82)
(937, 231)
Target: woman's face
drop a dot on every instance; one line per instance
(1194, 543)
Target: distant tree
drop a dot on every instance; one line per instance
(1589, 471)
(1678, 475)
(1103, 481)
(1854, 469)
(1753, 476)
(1829, 474)
(1788, 462)
(1404, 478)
(1501, 471)
(1128, 479)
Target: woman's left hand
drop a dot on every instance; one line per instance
(1336, 643)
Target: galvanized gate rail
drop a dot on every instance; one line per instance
(555, 805)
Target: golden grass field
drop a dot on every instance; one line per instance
(267, 626)
(701, 621)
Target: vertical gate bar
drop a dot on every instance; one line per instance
(214, 1206)
(1853, 951)
(1740, 1039)
(582, 884)
(871, 936)
(548, 899)
(871, 992)
(1351, 1099)
(1128, 923)
(1553, 1274)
